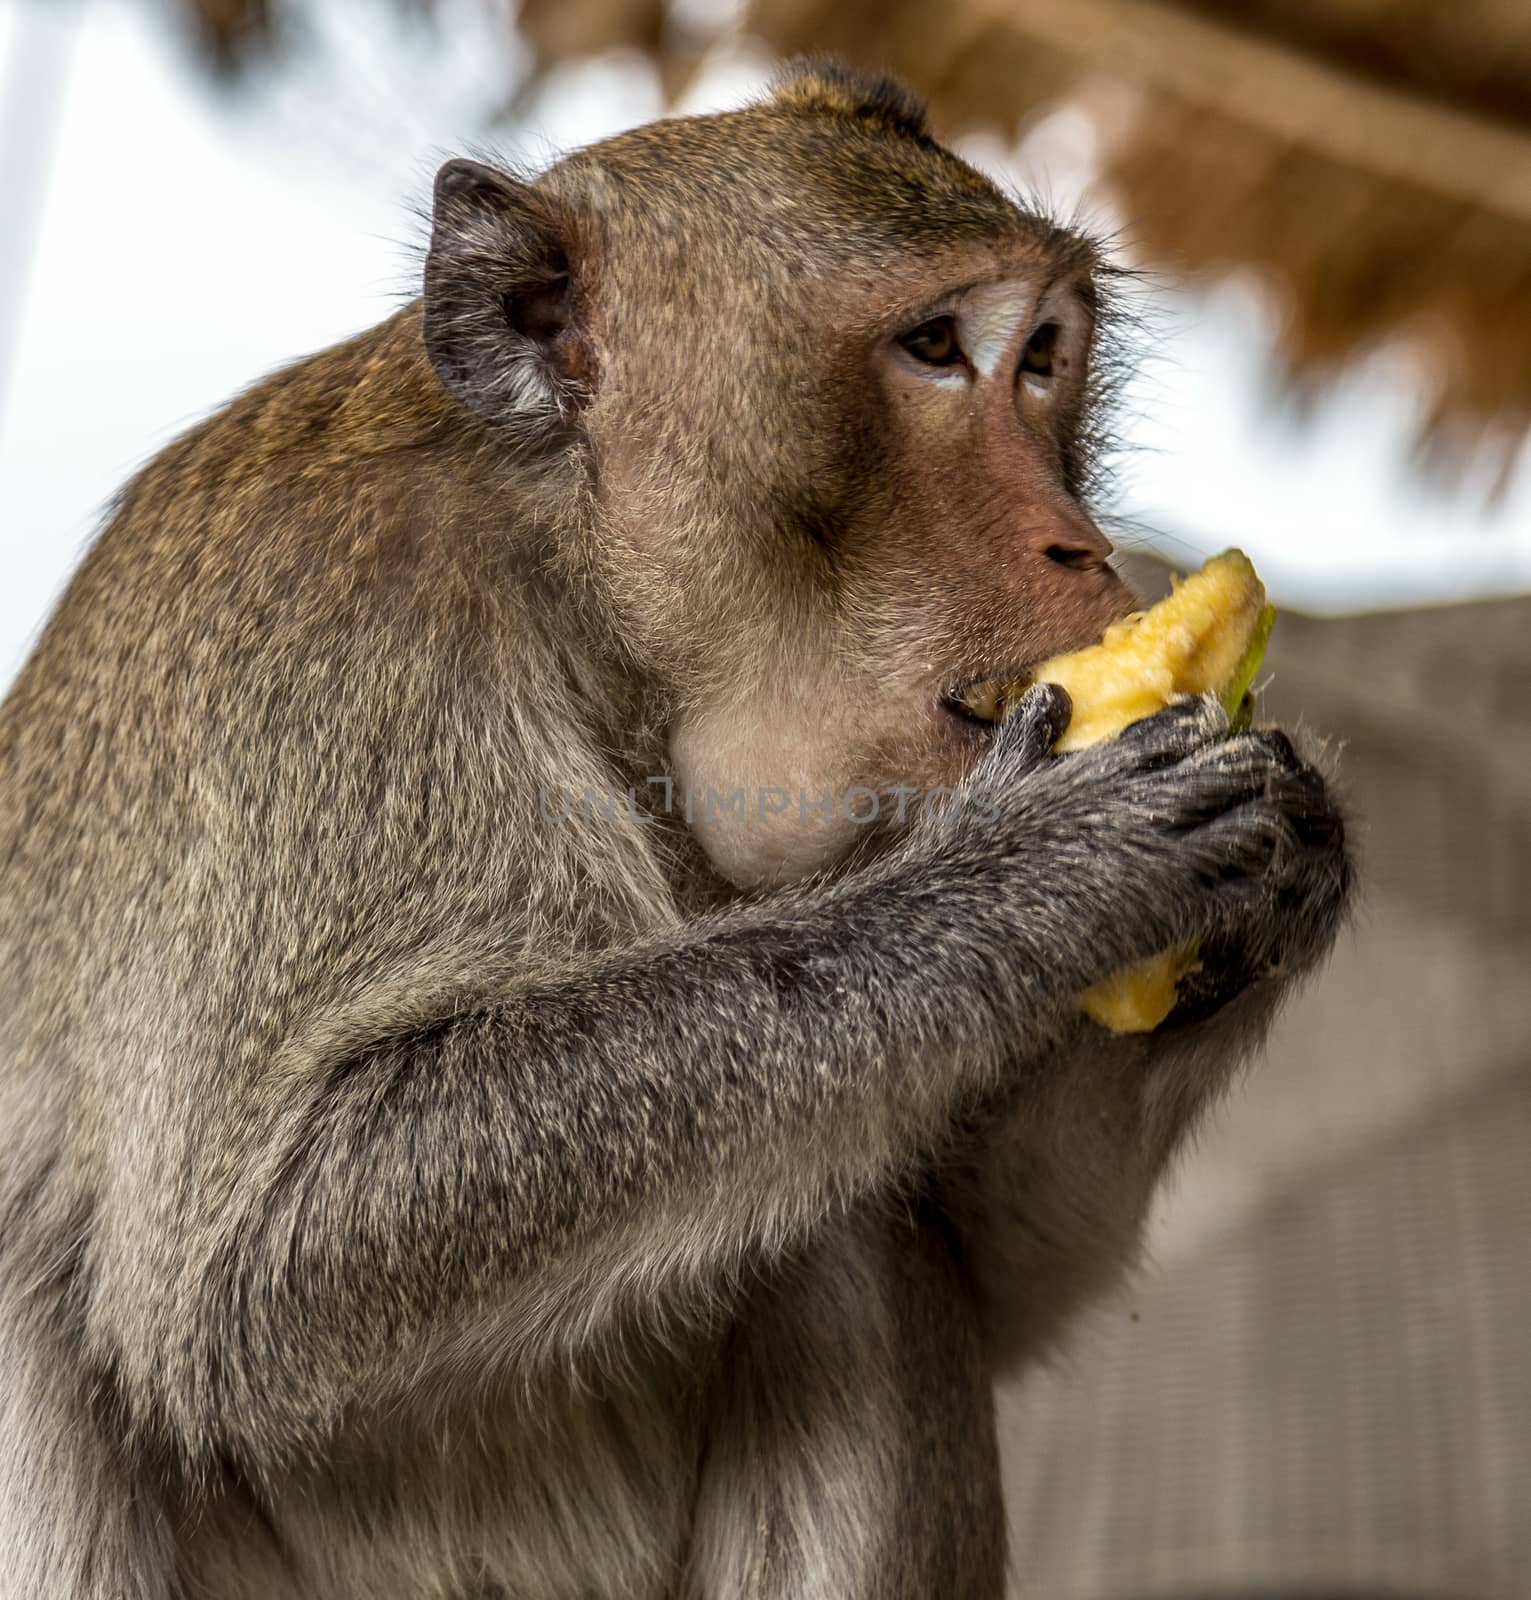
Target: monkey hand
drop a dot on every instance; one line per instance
(1288, 920)
(1173, 834)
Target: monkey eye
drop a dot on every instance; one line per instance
(1040, 357)
(934, 342)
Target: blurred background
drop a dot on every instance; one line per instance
(1322, 1383)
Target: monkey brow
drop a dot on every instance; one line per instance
(939, 217)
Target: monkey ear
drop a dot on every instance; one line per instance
(505, 311)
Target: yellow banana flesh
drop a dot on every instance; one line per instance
(1207, 637)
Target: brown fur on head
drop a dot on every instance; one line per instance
(818, 525)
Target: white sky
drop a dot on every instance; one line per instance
(187, 246)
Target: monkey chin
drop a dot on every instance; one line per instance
(778, 795)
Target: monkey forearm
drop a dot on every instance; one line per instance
(658, 1115)
(533, 1160)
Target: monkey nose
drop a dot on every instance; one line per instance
(1073, 542)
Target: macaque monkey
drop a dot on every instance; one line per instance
(419, 1181)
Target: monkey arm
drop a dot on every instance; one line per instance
(524, 1171)
(534, 1162)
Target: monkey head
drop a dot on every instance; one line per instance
(825, 395)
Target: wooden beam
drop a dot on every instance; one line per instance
(1290, 96)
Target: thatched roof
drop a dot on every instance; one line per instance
(228, 29)
(1370, 158)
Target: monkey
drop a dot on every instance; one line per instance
(422, 1179)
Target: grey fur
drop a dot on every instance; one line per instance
(400, 1196)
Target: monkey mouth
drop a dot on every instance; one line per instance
(986, 702)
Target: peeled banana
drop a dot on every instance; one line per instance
(1207, 637)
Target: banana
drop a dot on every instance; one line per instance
(1207, 637)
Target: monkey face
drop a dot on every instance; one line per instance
(957, 556)
(829, 393)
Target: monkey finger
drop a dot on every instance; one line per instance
(1179, 730)
(1248, 842)
(1027, 735)
(1208, 783)
(1250, 764)
(1299, 793)
(1280, 746)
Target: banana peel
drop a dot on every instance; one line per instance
(1207, 637)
